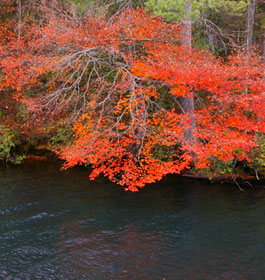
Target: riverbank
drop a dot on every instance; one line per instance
(241, 181)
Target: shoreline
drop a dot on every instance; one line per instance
(242, 182)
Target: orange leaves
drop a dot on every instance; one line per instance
(140, 68)
(128, 138)
(179, 90)
(121, 82)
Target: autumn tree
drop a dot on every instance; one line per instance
(119, 83)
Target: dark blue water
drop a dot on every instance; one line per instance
(59, 225)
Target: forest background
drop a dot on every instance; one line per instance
(135, 89)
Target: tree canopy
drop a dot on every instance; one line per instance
(105, 89)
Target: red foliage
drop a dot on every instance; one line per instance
(124, 80)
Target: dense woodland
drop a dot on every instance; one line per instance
(135, 89)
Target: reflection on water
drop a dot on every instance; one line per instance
(111, 254)
(59, 225)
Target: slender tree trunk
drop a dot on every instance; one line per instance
(250, 25)
(249, 31)
(186, 35)
(264, 46)
(19, 28)
(263, 56)
(187, 103)
(19, 10)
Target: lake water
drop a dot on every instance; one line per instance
(58, 225)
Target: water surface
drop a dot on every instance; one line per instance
(59, 225)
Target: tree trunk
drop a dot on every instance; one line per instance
(19, 10)
(263, 54)
(186, 35)
(187, 103)
(250, 25)
(264, 46)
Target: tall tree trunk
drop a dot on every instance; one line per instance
(249, 30)
(19, 11)
(263, 56)
(187, 103)
(264, 46)
(186, 35)
(19, 28)
(250, 25)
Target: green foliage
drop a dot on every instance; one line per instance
(227, 168)
(259, 24)
(62, 136)
(2, 114)
(81, 6)
(200, 40)
(173, 10)
(229, 6)
(8, 140)
(215, 34)
(258, 154)
(22, 113)
(163, 153)
(114, 7)
(17, 159)
(218, 168)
